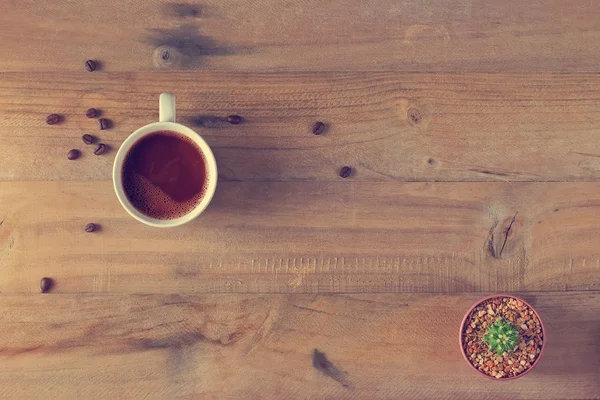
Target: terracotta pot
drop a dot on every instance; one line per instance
(462, 327)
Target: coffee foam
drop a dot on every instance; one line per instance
(153, 202)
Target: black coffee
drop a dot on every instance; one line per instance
(164, 175)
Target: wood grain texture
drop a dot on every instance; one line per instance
(302, 35)
(474, 127)
(263, 347)
(288, 237)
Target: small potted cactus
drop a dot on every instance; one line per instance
(502, 337)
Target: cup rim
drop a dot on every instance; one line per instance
(209, 159)
(464, 321)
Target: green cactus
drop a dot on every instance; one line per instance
(502, 337)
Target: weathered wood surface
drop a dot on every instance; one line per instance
(473, 131)
(464, 127)
(308, 237)
(302, 35)
(388, 346)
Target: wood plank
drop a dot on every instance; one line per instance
(474, 127)
(262, 347)
(303, 35)
(290, 237)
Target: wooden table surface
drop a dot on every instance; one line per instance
(473, 130)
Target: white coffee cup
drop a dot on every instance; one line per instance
(167, 123)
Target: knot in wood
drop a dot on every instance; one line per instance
(414, 116)
(167, 57)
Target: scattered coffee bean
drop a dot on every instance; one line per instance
(90, 65)
(91, 227)
(91, 113)
(45, 284)
(53, 119)
(73, 154)
(318, 128)
(87, 139)
(103, 123)
(234, 119)
(101, 149)
(345, 172)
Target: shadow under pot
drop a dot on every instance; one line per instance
(502, 337)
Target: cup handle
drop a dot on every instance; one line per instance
(166, 107)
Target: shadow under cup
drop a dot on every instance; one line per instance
(164, 174)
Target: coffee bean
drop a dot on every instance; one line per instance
(234, 119)
(101, 149)
(87, 139)
(90, 65)
(45, 284)
(318, 128)
(91, 113)
(103, 123)
(91, 227)
(345, 172)
(53, 119)
(73, 154)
